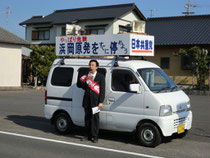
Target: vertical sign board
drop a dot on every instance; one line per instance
(116, 44)
(141, 45)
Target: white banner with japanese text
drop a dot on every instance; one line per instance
(116, 44)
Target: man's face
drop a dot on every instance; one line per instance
(93, 66)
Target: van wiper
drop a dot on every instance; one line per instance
(164, 88)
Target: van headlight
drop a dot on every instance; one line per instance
(165, 110)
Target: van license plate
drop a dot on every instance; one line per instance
(180, 129)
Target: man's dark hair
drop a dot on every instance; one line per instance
(97, 64)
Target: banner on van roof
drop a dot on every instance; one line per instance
(116, 44)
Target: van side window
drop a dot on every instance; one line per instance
(84, 71)
(121, 79)
(62, 76)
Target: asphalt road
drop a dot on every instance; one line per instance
(24, 132)
(33, 148)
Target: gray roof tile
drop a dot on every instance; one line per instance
(180, 30)
(81, 14)
(8, 37)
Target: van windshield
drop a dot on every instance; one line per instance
(157, 80)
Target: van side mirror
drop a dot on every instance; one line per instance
(135, 88)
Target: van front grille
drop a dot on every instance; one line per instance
(179, 121)
(179, 111)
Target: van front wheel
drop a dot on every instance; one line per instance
(63, 123)
(148, 135)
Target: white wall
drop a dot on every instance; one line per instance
(10, 65)
(108, 28)
(29, 30)
(130, 16)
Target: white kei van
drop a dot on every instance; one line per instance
(139, 98)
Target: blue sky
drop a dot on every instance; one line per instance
(22, 10)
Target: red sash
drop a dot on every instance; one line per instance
(91, 84)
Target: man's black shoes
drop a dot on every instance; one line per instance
(85, 138)
(94, 140)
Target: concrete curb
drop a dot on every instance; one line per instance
(21, 88)
(10, 88)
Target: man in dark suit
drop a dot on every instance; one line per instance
(94, 85)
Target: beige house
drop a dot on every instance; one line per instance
(10, 59)
(112, 19)
(173, 33)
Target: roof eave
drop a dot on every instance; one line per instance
(18, 43)
(82, 20)
(135, 9)
(35, 23)
(139, 12)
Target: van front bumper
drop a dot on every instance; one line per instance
(169, 124)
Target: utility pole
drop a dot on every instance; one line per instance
(152, 12)
(7, 12)
(188, 7)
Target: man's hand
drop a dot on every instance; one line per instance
(89, 75)
(100, 105)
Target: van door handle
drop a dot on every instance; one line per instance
(111, 100)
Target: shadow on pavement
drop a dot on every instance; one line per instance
(33, 122)
(42, 124)
(123, 137)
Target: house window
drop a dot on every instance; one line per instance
(46, 35)
(186, 63)
(35, 35)
(124, 29)
(101, 31)
(41, 35)
(63, 31)
(95, 31)
(164, 62)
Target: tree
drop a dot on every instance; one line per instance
(199, 65)
(42, 58)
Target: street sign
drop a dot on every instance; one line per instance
(116, 44)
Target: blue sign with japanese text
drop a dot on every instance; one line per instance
(117, 44)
